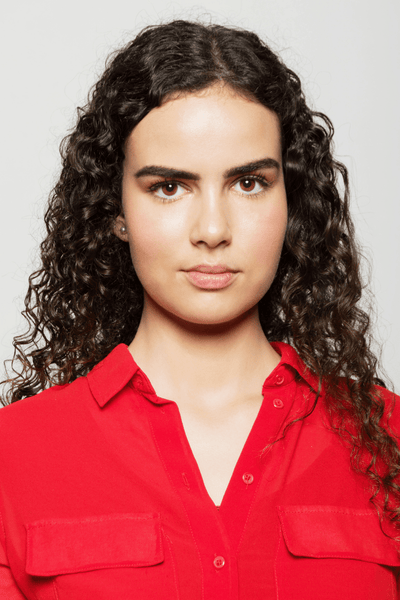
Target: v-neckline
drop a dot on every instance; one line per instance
(246, 449)
(249, 472)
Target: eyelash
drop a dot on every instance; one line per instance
(258, 178)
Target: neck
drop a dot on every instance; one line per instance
(211, 364)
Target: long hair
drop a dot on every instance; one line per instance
(86, 297)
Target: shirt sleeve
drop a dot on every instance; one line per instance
(8, 588)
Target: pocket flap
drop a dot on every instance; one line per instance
(336, 532)
(71, 545)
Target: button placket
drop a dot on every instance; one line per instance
(205, 524)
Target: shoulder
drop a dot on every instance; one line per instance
(341, 408)
(383, 407)
(391, 409)
(41, 412)
(110, 374)
(68, 406)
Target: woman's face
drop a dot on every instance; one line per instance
(204, 205)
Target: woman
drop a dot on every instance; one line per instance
(210, 425)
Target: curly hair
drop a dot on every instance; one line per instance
(86, 297)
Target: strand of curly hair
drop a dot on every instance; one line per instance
(86, 297)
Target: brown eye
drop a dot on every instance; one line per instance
(248, 185)
(251, 186)
(169, 189)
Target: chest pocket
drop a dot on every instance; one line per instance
(334, 553)
(90, 557)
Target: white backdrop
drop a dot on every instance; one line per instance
(347, 53)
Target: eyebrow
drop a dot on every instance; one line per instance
(264, 163)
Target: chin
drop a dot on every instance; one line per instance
(211, 319)
(208, 311)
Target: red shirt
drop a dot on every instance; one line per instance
(101, 498)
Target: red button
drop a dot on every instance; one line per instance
(278, 403)
(219, 562)
(248, 478)
(280, 379)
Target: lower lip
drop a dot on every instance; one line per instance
(210, 281)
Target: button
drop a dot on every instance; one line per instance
(278, 403)
(219, 562)
(248, 478)
(280, 379)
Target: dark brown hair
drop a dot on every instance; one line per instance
(86, 297)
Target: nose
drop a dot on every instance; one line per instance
(211, 223)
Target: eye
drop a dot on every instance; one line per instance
(168, 190)
(251, 185)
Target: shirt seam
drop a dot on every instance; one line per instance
(169, 544)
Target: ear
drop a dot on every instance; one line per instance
(120, 228)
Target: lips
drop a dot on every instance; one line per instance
(212, 269)
(211, 277)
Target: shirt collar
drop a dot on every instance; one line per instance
(290, 358)
(117, 369)
(112, 374)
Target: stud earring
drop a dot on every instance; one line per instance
(123, 229)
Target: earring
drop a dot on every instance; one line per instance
(123, 229)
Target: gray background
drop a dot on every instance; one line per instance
(346, 52)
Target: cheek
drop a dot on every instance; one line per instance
(267, 236)
(151, 236)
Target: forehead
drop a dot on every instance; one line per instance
(216, 126)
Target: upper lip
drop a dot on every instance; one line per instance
(212, 269)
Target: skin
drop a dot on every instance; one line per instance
(204, 348)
